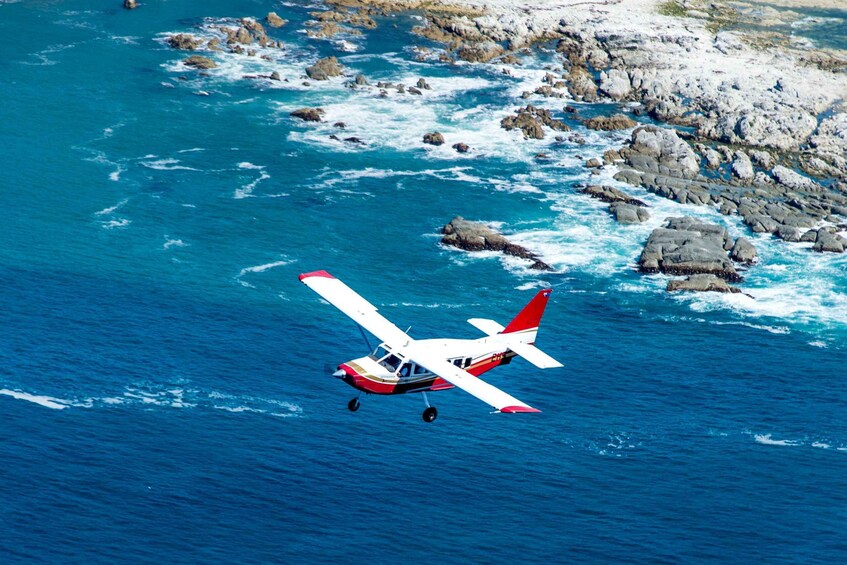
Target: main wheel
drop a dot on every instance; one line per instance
(353, 405)
(430, 414)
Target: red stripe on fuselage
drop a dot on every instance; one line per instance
(371, 386)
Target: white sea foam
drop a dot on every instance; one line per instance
(110, 209)
(766, 439)
(117, 223)
(167, 165)
(264, 267)
(173, 243)
(45, 401)
(246, 191)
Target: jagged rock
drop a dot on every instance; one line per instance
(275, 76)
(581, 85)
(628, 214)
(792, 179)
(355, 140)
(401, 88)
(742, 167)
(701, 283)
(743, 251)
(130, 4)
(199, 62)
(611, 194)
(360, 80)
(713, 158)
(422, 84)
(308, 114)
(809, 237)
(610, 123)
(415, 91)
(530, 121)
(461, 147)
(433, 138)
(480, 53)
(593, 163)
(324, 68)
(476, 236)
(615, 84)
(340, 125)
(184, 41)
(274, 20)
(829, 242)
(688, 246)
(660, 150)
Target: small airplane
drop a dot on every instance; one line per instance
(401, 365)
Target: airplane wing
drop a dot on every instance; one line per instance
(357, 308)
(491, 395)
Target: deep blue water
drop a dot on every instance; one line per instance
(163, 373)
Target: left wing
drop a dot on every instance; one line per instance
(491, 395)
(357, 308)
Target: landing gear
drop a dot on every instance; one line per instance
(430, 414)
(353, 405)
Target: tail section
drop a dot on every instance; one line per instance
(530, 316)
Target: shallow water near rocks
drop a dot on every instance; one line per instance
(163, 381)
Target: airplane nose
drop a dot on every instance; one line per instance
(339, 374)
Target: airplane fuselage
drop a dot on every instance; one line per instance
(387, 371)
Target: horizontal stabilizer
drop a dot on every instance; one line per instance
(488, 327)
(534, 355)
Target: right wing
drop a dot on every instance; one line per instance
(491, 395)
(357, 308)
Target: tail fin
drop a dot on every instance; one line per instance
(530, 316)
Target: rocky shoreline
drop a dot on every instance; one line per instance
(754, 124)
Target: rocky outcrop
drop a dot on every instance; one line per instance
(274, 20)
(461, 147)
(611, 194)
(309, 114)
(827, 240)
(184, 41)
(701, 283)
(743, 251)
(530, 121)
(480, 53)
(660, 150)
(324, 69)
(687, 246)
(476, 236)
(433, 138)
(610, 123)
(199, 62)
(628, 214)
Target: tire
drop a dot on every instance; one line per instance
(353, 405)
(430, 414)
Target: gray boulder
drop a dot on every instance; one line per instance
(743, 251)
(701, 283)
(324, 68)
(308, 114)
(433, 138)
(628, 214)
(828, 242)
(687, 246)
(476, 236)
(610, 123)
(610, 194)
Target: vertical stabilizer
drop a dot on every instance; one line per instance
(530, 316)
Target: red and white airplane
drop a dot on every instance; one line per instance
(402, 365)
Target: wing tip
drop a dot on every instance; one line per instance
(518, 409)
(321, 273)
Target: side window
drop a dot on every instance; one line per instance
(457, 362)
(420, 370)
(405, 370)
(467, 361)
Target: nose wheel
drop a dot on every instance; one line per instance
(353, 405)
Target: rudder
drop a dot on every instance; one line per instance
(530, 316)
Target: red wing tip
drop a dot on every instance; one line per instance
(316, 274)
(518, 409)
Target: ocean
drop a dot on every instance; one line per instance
(165, 388)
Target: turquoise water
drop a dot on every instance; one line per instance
(163, 373)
